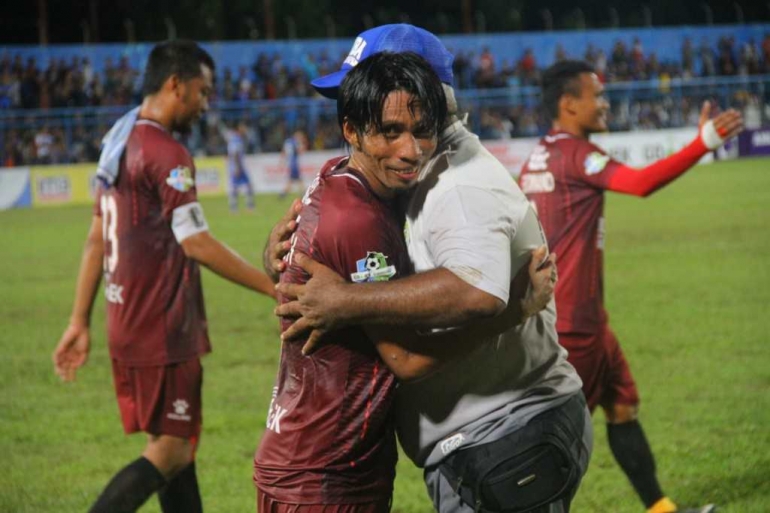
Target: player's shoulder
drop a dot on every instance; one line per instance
(156, 151)
(156, 142)
(348, 197)
(467, 167)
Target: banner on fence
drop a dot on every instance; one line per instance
(75, 184)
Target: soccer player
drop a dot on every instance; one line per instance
(329, 444)
(148, 236)
(236, 168)
(565, 178)
(468, 229)
(292, 148)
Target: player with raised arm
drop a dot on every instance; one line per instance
(148, 236)
(565, 178)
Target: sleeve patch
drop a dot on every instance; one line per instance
(373, 267)
(595, 163)
(180, 178)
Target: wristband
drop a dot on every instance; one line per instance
(710, 137)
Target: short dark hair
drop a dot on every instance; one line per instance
(364, 90)
(180, 57)
(560, 79)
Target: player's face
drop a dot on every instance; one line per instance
(194, 97)
(592, 106)
(392, 158)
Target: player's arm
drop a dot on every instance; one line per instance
(435, 298)
(74, 345)
(411, 355)
(711, 135)
(530, 292)
(462, 287)
(191, 231)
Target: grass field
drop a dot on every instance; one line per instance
(687, 285)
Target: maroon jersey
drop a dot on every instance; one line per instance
(155, 313)
(330, 436)
(565, 178)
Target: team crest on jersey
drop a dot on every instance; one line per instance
(373, 267)
(595, 163)
(180, 178)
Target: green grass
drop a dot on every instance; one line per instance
(687, 286)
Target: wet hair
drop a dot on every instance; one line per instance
(560, 79)
(180, 57)
(364, 90)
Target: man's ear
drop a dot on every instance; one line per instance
(351, 135)
(173, 85)
(567, 104)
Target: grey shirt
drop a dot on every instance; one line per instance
(468, 215)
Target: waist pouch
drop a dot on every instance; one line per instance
(533, 466)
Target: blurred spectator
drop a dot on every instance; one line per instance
(688, 58)
(44, 142)
(560, 54)
(485, 69)
(528, 68)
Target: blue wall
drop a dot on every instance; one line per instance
(665, 42)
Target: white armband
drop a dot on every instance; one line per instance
(710, 137)
(188, 220)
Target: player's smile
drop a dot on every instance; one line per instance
(391, 159)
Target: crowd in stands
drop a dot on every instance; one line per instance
(23, 85)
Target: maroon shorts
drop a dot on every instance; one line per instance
(267, 504)
(600, 363)
(160, 400)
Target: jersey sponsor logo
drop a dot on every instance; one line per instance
(114, 293)
(538, 160)
(373, 267)
(355, 53)
(180, 411)
(451, 444)
(538, 182)
(180, 179)
(595, 162)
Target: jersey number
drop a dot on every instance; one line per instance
(110, 232)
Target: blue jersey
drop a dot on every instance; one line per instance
(236, 148)
(291, 150)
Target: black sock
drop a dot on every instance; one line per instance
(633, 454)
(129, 488)
(181, 494)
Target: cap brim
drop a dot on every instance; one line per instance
(328, 85)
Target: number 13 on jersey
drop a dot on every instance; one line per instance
(110, 232)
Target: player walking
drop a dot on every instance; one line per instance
(148, 236)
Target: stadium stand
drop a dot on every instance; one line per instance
(56, 102)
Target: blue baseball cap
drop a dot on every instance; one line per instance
(396, 38)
